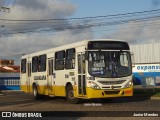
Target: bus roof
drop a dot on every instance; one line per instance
(67, 46)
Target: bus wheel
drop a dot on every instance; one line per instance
(35, 92)
(70, 95)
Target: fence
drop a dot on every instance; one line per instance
(9, 83)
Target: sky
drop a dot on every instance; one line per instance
(17, 37)
(110, 7)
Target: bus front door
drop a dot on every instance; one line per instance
(28, 77)
(81, 75)
(50, 77)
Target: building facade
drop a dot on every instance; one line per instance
(6, 62)
(146, 63)
(9, 75)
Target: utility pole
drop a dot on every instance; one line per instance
(4, 9)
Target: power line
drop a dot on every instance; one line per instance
(95, 17)
(6, 6)
(4, 9)
(99, 30)
(98, 21)
(98, 24)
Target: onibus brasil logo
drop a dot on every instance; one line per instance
(19, 114)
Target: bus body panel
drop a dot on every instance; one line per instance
(54, 82)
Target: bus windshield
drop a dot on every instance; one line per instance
(109, 64)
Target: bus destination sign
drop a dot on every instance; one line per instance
(108, 45)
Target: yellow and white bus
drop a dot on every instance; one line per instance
(82, 70)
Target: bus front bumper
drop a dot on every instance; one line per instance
(96, 93)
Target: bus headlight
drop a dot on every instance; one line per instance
(94, 85)
(128, 85)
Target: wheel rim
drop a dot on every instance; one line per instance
(71, 94)
(35, 92)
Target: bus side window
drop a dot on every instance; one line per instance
(59, 60)
(70, 59)
(23, 65)
(35, 64)
(42, 63)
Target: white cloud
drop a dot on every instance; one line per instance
(37, 10)
(16, 44)
(13, 47)
(41, 9)
(138, 33)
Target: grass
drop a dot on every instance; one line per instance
(156, 95)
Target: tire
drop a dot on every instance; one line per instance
(35, 92)
(70, 95)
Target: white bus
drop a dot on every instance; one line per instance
(83, 70)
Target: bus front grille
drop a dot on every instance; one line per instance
(109, 87)
(111, 82)
(111, 92)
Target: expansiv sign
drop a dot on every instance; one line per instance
(147, 68)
